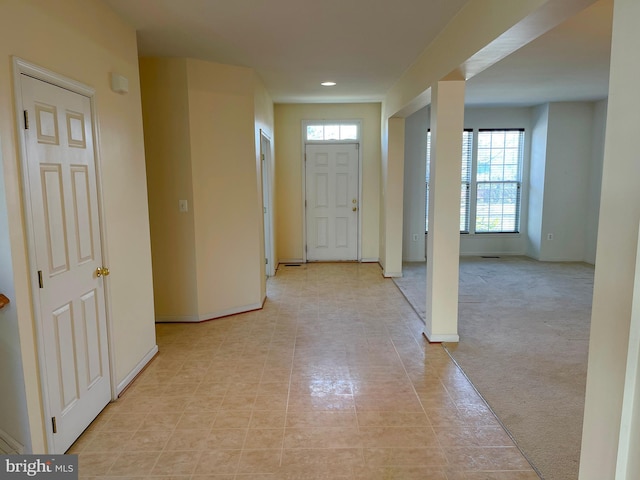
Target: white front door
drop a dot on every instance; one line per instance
(62, 203)
(332, 202)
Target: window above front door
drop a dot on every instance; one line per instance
(320, 131)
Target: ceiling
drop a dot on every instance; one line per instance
(568, 63)
(365, 46)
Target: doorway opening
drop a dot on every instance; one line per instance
(265, 160)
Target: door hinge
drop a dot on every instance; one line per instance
(26, 120)
(266, 261)
(54, 425)
(262, 156)
(40, 284)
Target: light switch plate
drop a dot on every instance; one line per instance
(183, 206)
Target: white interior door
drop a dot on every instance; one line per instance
(265, 155)
(332, 202)
(63, 211)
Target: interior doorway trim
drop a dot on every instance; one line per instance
(23, 67)
(267, 201)
(305, 142)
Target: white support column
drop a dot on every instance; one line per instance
(628, 463)
(611, 310)
(394, 199)
(443, 239)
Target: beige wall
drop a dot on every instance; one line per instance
(84, 40)
(202, 129)
(289, 151)
(226, 201)
(168, 150)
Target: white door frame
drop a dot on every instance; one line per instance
(306, 142)
(20, 67)
(267, 202)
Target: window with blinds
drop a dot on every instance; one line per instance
(498, 181)
(426, 193)
(465, 185)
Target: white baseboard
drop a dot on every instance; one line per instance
(230, 311)
(450, 338)
(392, 274)
(295, 261)
(176, 318)
(492, 254)
(208, 316)
(8, 445)
(137, 369)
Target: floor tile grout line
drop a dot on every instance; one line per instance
(395, 330)
(535, 469)
(470, 383)
(442, 449)
(286, 411)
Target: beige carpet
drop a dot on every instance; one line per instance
(524, 333)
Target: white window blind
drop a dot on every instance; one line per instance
(498, 181)
(465, 185)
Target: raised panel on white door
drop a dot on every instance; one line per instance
(47, 124)
(75, 130)
(65, 341)
(82, 213)
(321, 160)
(342, 159)
(342, 190)
(93, 347)
(322, 190)
(342, 232)
(322, 232)
(54, 216)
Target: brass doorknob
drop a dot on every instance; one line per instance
(355, 208)
(100, 271)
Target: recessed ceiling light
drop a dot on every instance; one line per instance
(328, 84)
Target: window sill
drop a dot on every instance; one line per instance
(488, 234)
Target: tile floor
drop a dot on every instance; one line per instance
(331, 380)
